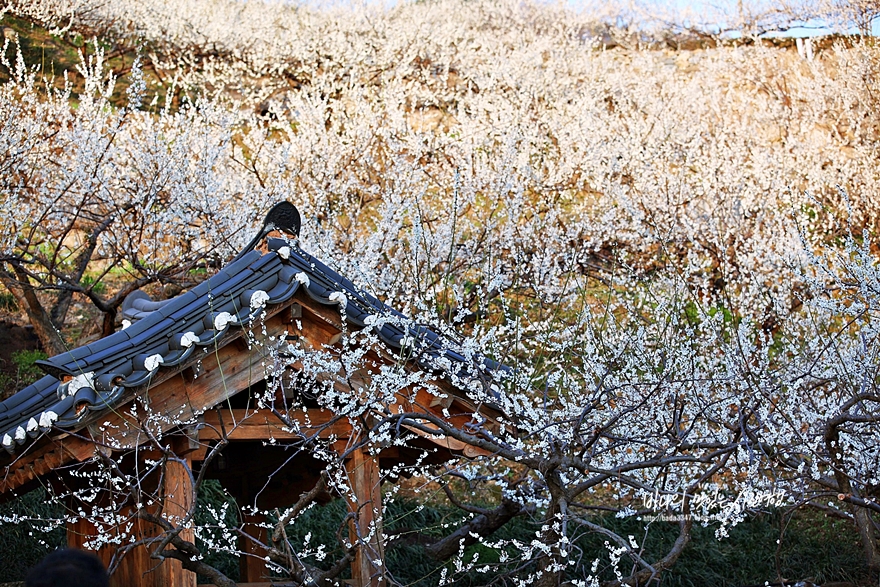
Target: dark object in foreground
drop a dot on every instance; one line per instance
(68, 568)
(282, 217)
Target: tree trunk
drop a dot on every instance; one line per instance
(62, 304)
(861, 516)
(108, 327)
(26, 296)
(482, 525)
(550, 572)
(865, 525)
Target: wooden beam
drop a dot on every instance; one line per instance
(329, 320)
(244, 424)
(225, 372)
(42, 458)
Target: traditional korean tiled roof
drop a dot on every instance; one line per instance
(87, 381)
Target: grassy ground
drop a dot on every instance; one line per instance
(811, 546)
(25, 543)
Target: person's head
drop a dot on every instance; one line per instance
(68, 568)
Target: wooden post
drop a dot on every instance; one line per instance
(252, 565)
(365, 502)
(131, 569)
(136, 568)
(177, 496)
(79, 532)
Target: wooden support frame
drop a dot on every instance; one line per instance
(255, 424)
(178, 498)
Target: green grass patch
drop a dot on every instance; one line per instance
(23, 373)
(810, 545)
(25, 543)
(8, 302)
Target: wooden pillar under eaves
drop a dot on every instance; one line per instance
(133, 568)
(365, 502)
(252, 564)
(80, 531)
(137, 567)
(177, 494)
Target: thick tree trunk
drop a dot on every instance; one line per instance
(26, 297)
(58, 314)
(108, 327)
(550, 572)
(861, 516)
(865, 525)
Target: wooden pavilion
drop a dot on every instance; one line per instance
(192, 359)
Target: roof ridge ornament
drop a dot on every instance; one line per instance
(282, 217)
